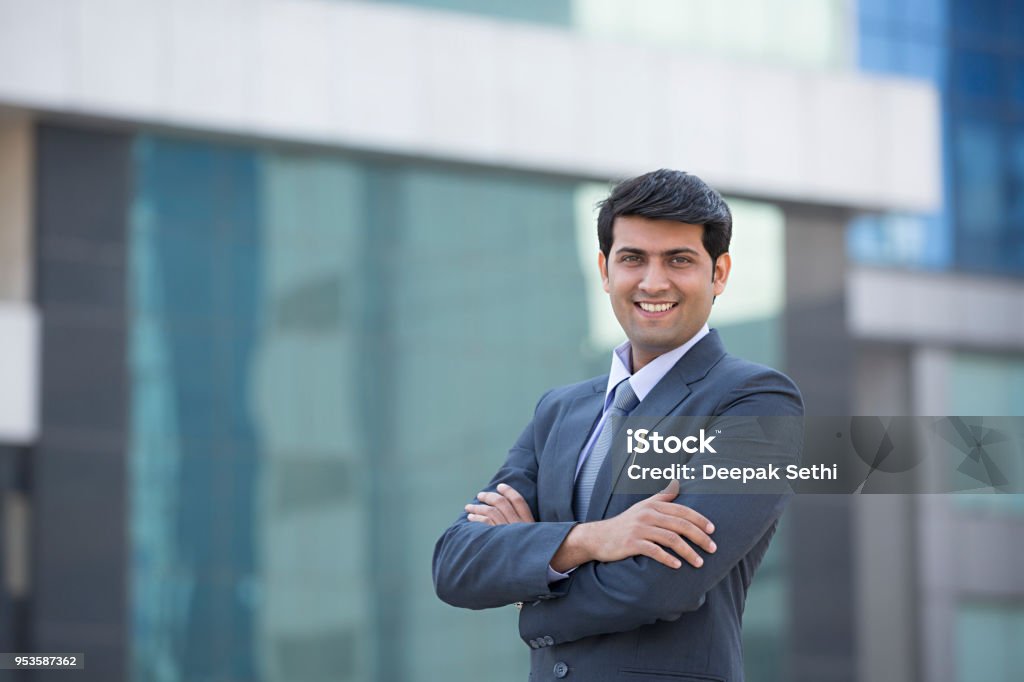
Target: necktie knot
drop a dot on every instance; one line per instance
(625, 399)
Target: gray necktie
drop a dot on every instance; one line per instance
(623, 403)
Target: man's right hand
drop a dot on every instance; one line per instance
(648, 528)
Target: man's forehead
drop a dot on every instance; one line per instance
(642, 233)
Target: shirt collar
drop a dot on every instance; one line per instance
(651, 373)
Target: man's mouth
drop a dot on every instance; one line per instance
(655, 308)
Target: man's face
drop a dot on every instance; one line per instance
(661, 283)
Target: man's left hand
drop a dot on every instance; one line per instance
(497, 509)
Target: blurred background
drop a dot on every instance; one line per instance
(282, 280)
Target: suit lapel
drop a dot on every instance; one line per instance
(665, 399)
(572, 435)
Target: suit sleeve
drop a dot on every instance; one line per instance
(604, 598)
(478, 566)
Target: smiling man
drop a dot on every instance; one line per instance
(616, 586)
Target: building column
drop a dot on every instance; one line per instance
(80, 532)
(19, 376)
(819, 354)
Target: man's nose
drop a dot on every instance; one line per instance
(655, 279)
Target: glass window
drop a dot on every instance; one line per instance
(993, 385)
(978, 18)
(897, 239)
(749, 314)
(976, 76)
(765, 616)
(878, 53)
(878, 12)
(555, 12)
(1013, 24)
(1016, 178)
(283, 323)
(921, 15)
(922, 60)
(1015, 82)
(991, 503)
(987, 642)
(980, 197)
(987, 383)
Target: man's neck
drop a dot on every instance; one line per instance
(639, 360)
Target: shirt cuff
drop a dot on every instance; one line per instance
(554, 576)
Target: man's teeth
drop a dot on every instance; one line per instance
(656, 307)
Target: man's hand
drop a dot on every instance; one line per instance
(648, 528)
(504, 506)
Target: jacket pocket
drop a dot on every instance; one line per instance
(647, 675)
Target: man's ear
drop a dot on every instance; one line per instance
(721, 275)
(602, 265)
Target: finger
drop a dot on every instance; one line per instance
(687, 530)
(522, 509)
(697, 536)
(683, 512)
(503, 506)
(654, 551)
(487, 511)
(673, 541)
(476, 518)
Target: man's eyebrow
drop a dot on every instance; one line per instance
(670, 252)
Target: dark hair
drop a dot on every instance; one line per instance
(668, 195)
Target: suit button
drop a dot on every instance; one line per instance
(561, 670)
(549, 640)
(533, 644)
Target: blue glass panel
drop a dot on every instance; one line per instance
(203, 642)
(195, 276)
(976, 75)
(922, 15)
(1015, 160)
(1015, 82)
(1013, 23)
(923, 60)
(903, 240)
(982, 241)
(987, 641)
(938, 241)
(980, 200)
(877, 54)
(877, 11)
(556, 12)
(862, 238)
(978, 18)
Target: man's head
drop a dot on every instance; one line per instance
(664, 240)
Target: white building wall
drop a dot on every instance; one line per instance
(415, 82)
(19, 324)
(19, 373)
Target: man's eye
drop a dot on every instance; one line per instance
(631, 259)
(681, 260)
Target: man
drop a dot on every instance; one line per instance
(623, 586)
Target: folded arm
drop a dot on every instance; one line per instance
(623, 595)
(479, 566)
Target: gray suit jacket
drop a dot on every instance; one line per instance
(634, 619)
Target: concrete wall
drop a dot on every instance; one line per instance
(402, 80)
